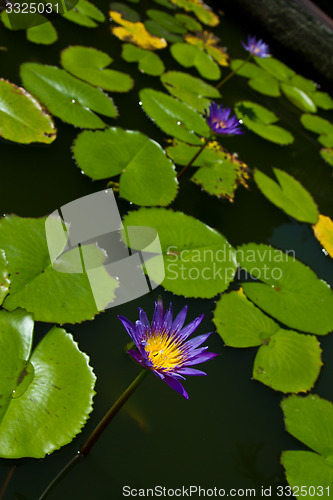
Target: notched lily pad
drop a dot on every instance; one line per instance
(23, 119)
(4, 276)
(84, 13)
(149, 62)
(42, 405)
(192, 55)
(208, 42)
(323, 231)
(89, 65)
(203, 12)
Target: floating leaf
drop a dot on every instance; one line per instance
(260, 80)
(320, 126)
(323, 231)
(288, 194)
(126, 12)
(191, 55)
(327, 155)
(135, 33)
(188, 21)
(67, 97)
(157, 30)
(4, 278)
(56, 297)
(322, 100)
(169, 23)
(286, 361)
(200, 9)
(88, 64)
(83, 13)
(308, 86)
(199, 262)
(299, 98)
(22, 117)
(189, 89)
(43, 405)
(289, 291)
(221, 173)
(259, 120)
(309, 419)
(208, 42)
(138, 159)
(174, 117)
(44, 34)
(275, 67)
(149, 62)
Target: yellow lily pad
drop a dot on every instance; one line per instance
(135, 33)
(323, 231)
(203, 12)
(208, 42)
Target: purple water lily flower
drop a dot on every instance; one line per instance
(256, 47)
(220, 121)
(162, 346)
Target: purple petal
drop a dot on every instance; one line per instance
(190, 371)
(197, 341)
(200, 358)
(179, 321)
(168, 319)
(143, 318)
(190, 328)
(130, 328)
(137, 356)
(175, 385)
(158, 315)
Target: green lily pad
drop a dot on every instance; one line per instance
(288, 194)
(191, 55)
(259, 120)
(44, 34)
(275, 67)
(309, 419)
(168, 22)
(327, 155)
(138, 159)
(289, 291)
(4, 278)
(259, 80)
(126, 12)
(157, 30)
(308, 86)
(51, 295)
(189, 89)
(221, 173)
(203, 12)
(286, 361)
(320, 126)
(240, 323)
(298, 97)
(199, 262)
(42, 405)
(322, 100)
(149, 62)
(67, 97)
(83, 13)
(88, 64)
(188, 21)
(174, 117)
(22, 117)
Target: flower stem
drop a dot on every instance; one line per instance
(97, 432)
(232, 73)
(182, 172)
(6, 483)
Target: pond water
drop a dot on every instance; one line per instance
(230, 433)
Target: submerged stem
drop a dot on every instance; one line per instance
(182, 172)
(97, 432)
(7, 480)
(222, 82)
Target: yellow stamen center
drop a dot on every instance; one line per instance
(163, 351)
(219, 123)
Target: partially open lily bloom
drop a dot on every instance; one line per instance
(162, 346)
(220, 121)
(256, 47)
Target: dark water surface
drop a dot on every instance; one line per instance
(230, 433)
